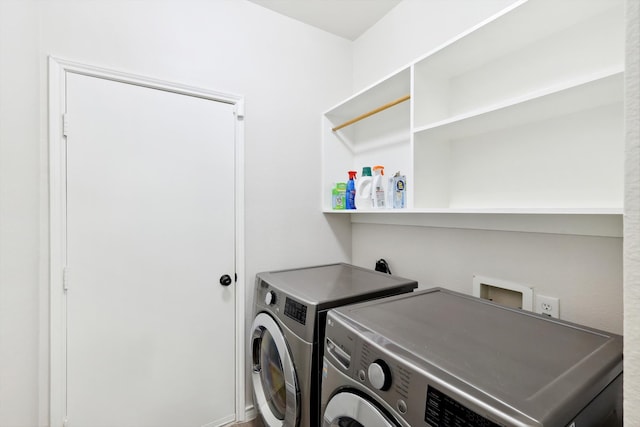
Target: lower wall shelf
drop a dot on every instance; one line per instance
(601, 222)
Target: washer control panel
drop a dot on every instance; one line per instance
(383, 373)
(379, 375)
(444, 411)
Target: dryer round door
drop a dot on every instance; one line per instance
(274, 379)
(346, 409)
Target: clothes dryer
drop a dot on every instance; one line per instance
(438, 358)
(287, 334)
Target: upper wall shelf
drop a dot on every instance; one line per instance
(393, 87)
(583, 93)
(522, 114)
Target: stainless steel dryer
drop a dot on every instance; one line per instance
(287, 334)
(438, 358)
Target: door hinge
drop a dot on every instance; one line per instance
(239, 111)
(65, 125)
(65, 279)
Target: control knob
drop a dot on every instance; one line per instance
(379, 375)
(270, 298)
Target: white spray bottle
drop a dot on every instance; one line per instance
(379, 188)
(363, 189)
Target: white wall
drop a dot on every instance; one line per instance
(632, 221)
(289, 74)
(412, 29)
(20, 169)
(584, 272)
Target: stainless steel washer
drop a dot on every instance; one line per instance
(438, 358)
(287, 334)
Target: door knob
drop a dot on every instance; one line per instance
(225, 280)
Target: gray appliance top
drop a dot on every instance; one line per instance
(529, 362)
(328, 286)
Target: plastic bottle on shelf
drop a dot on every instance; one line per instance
(399, 191)
(351, 190)
(389, 191)
(338, 196)
(363, 189)
(378, 189)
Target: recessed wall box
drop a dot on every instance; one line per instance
(503, 292)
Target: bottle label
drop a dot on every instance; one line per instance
(379, 198)
(399, 196)
(351, 199)
(339, 200)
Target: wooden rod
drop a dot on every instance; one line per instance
(372, 112)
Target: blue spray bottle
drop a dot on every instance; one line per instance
(351, 190)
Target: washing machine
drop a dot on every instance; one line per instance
(287, 334)
(439, 358)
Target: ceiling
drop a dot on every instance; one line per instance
(344, 18)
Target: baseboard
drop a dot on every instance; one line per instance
(250, 412)
(251, 419)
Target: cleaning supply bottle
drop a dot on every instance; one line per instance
(363, 189)
(389, 192)
(338, 196)
(378, 189)
(351, 190)
(400, 191)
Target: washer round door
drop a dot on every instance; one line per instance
(346, 409)
(274, 379)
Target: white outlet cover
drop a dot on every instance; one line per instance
(549, 306)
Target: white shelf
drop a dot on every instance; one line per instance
(522, 24)
(509, 211)
(592, 91)
(584, 224)
(519, 117)
(545, 48)
(389, 89)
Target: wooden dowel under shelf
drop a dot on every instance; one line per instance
(372, 112)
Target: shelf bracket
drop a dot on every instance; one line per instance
(372, 112)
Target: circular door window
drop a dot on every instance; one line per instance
(348, 422)
(347, 409)
(274, 381)
(272, 376)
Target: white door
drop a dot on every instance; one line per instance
(150, 231)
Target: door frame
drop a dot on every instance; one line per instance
(58, 69)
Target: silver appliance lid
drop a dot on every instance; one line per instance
(528, 362)
(328, 286)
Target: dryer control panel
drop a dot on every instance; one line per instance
(294, 314)
(295, 310)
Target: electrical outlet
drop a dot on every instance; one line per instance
(549, 306)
